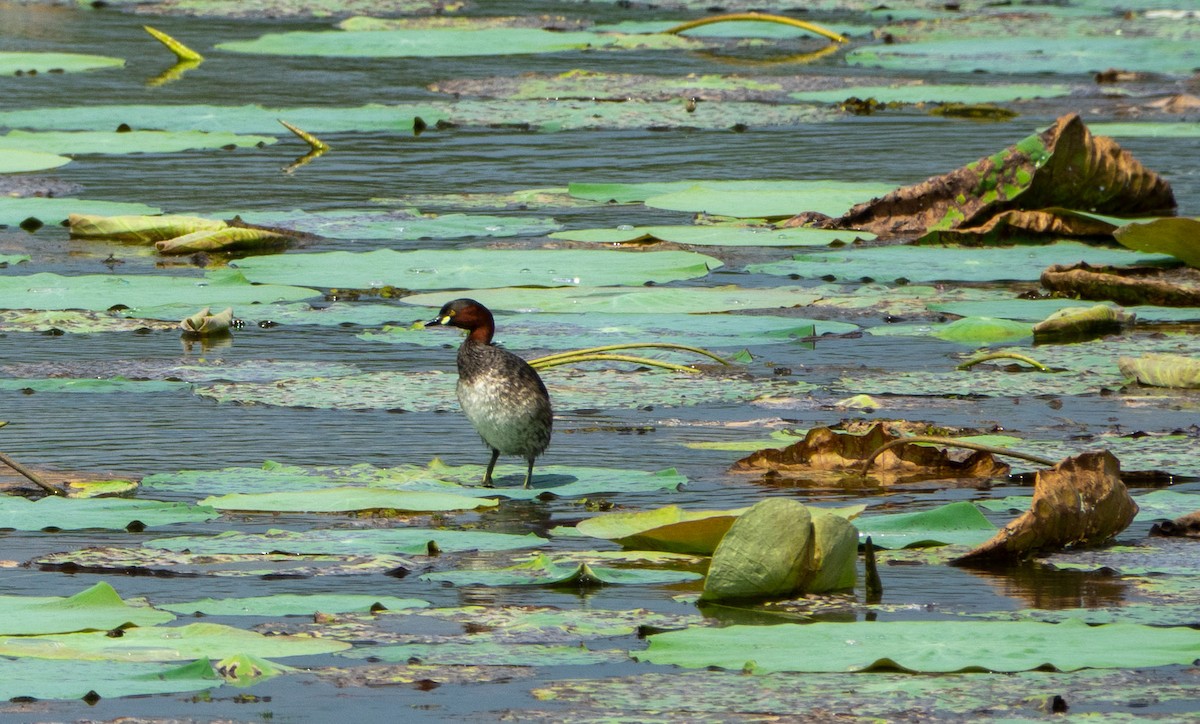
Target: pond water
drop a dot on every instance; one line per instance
(139, 434)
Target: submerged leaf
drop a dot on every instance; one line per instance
(543, 571)
(289, 604)
(924, 646)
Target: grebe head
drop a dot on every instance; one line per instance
(470, 315)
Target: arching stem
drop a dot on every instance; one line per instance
(951, 442)
(1005, 355)
(631, 345)
(758, 17)
(557, 360)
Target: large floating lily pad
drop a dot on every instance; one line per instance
(570, 389)
(370, 541)
(112, 142)
(576, 331)
(290, 604)
(952, 524)
(475, 268)
(50, 679)
(441, 43)
(563, 480)
(98, 608)
(82, 513)
(11, 63)
(713, 235)
(470, 653)
(344, 500)
(935, 93)
(924, 646)
(101, 291)
(161, 643)
(742, 199)
(542, 115)
(938, 263)
(626, 300)
(1031, 54)
(56, 210)
(12, 161)
(376, 224)
(146, 561)
(90, 386)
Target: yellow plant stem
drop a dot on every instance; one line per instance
(758, 17)
(630, 345)
(1004, 355)
(951, 442)
(318, 146)
(181, 51)
(566, 359)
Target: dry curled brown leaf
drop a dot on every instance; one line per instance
(1079, 502)
(1128, 286)
(824, 449)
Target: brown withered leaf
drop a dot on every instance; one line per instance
(1127, 286)
(1079, 502)
(1015, 223)
(823, 449)
(1187, 526)
(1064, 166)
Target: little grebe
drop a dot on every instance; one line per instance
(502, 396)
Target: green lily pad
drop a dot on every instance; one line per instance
(575, 331)
(952, 524)
(741, 199)
(112, 142)
(101, 291)
(475, 268)
(98, 608)
(371, 224)
(924, 646)
(344, 500)
(1148, 129)
(49, 679)
(632, 300)
(969, 330)
(568, 481)
(543, 571)
(493, 653)
(882, 696)
(12, 161)
(669, 528)
(713, 235)
(31, 63)
(444, 43)
(84, 513)
(1031, 54)
(8, 259)
(56, 210)
(1175, 236)
(367, 541)
(258, 9)
(148, 561)
(936, 93)
(570, 388)
(160, 643)
(92, 386)
(943, 263)
(290, 604)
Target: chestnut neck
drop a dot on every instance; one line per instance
(478, 321)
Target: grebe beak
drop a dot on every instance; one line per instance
(443, 320)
